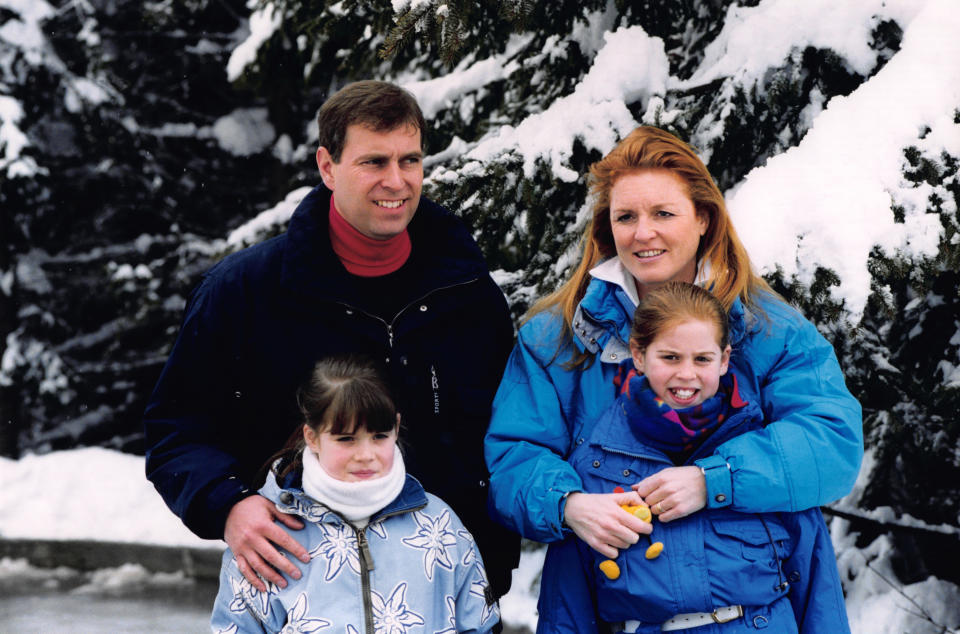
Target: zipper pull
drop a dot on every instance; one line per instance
(390, 334)
(365, 549)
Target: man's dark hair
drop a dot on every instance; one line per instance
(378, 105)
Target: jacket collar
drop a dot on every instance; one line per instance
(601, 322)
(612, 270)
(289, 497)
(442, 249)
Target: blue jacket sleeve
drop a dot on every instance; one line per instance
(809, 452)
(526, 447)
(186, 459)
(567, 602)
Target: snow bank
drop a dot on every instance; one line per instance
(89, 493)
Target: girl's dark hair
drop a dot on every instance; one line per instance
(672, 304)
(342, 394)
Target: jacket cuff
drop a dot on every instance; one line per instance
(562, 527)
(223, 497)
(719, 480)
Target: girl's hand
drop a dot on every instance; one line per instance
(674, 492)
(599, 521)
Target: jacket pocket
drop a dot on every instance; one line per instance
(757, 539)
(744, 554)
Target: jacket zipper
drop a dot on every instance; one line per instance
(366, 563)
(389, 326)
(622, 452)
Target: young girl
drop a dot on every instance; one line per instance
(724, 569)
(387, 556)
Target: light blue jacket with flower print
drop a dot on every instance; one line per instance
(413, 568)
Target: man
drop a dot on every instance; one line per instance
(366, 266)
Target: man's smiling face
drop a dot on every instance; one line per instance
(377, 182)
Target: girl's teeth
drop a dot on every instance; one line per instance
(649, 254)
(683, 394)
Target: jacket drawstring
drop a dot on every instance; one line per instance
(784, 585)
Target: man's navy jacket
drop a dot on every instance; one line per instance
(260, 319)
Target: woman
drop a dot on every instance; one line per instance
(658, 217)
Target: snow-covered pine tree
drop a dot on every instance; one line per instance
(122, 160)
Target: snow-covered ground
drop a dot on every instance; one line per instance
(100, 494)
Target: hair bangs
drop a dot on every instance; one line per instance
(355, 406)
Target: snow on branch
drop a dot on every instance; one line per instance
(631, 67)
(828, 201)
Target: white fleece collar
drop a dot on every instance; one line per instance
(356, 501)
(612, 270)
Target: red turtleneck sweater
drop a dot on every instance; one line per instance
(363, 256)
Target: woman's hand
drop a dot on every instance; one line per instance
(674, 492)
(599, 521)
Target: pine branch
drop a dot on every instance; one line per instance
(926, 530)
(404, 30)
(446, 20)
(899, 590)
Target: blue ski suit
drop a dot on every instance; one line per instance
(779, 567)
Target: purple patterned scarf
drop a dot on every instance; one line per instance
(675, 431)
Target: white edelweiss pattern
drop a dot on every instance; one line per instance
(452, 619)
(481, 572)
(392, 616)
(313, 511)
(352, 630)
(246, 595)
(477, 589)
(338, 547)
(435, 539)
(298, 622)
(230, 630)
(379, 529)
(469, 556)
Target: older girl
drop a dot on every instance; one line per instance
(676, 402)
(386, 555)
(658, 217)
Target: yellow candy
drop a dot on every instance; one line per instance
(643, 513)
(653, 551)
(640, 511)
(610, 568)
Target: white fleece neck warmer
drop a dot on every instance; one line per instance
(354, 500)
